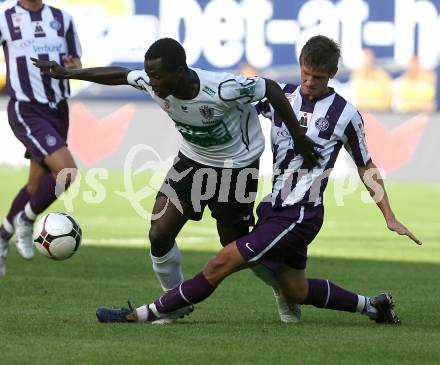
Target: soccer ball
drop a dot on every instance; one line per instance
(57, 236)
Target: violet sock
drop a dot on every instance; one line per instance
(191, 291)
(325, 294)
(44, 196)
(21, 199)
(18, 204)
(5, 234)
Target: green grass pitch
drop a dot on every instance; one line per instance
(47, 308)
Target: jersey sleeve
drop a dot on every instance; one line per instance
(139, 80)
(242, 90)
(73, 45)
(264, 108)
(354, 141)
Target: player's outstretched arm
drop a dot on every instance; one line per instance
(372, 179)
(303, 144)
(101, 75)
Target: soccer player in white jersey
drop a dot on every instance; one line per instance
(292, 215)
(221, 145)
(37, 110)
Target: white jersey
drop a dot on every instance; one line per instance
(220, 127)
(47, 34)
(330, 121)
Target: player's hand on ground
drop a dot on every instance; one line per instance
(309, 149)
(399, 228)
(51, 68)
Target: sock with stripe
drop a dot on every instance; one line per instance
(191, 291)
(325, 294)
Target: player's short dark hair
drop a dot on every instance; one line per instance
(170, 51)
(320, 52)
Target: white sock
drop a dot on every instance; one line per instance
(167, 268)
(29, 212)
(362, 301)
(8, 226)
(364, 307)
(142, 313)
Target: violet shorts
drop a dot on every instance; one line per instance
(40, 128)
(281, 236)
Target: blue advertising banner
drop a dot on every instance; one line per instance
(265, 34)
(223, 33)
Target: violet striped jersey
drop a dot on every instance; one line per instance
(47, 34)
(220, 126)
(330, 121)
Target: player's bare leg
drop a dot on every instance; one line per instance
(58, 161)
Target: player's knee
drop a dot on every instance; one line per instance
(160, 238)
(301, 292)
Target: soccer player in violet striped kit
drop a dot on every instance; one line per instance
(292, 215)
(37, 110)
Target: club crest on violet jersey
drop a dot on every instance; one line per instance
(322, 124)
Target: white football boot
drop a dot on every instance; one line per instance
(23, 234)
(288, 312)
